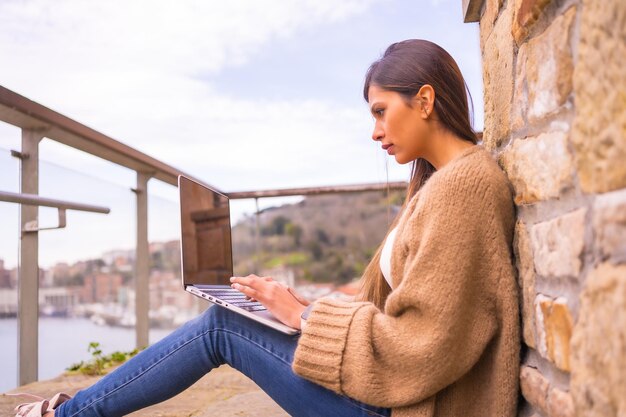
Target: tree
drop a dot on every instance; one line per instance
(322, 236)
(316, 250)
(295, 232)
(276, 226)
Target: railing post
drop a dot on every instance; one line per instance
(257, 237)
(28, 280)
(142, 289)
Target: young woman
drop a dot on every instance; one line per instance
(435, 330)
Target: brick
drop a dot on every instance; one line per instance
(560, 404)
(598, 380)
(534, 388)
(498, 81)
(526, 269)
(549, 67)
(609, 225)
(599, 126)
(558, 323)
(558, 244)
(540, 168)
(527, 12)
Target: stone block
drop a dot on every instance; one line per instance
(557, 323)
(540, 168)
(534, 388)
(560, 404)
(498, 81)
(527, 12)
(558, 244)
(540, 327)
(599, 127)
(520, 94)
(609, 225)
(488, 19)
(598, 381)
(549, 67)
(526, 270)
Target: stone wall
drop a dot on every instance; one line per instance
(555, 119)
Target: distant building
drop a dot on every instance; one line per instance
(5, 276)
(119, 257)
(8, 303)
(47, 278)
(166, 291)
(101, 288)
(60, 272)
(57, 301)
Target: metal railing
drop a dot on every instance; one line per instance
(38, 122)
(35, 200)
(61, 206)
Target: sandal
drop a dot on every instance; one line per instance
(40, 407)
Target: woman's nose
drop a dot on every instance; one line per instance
(378, 133)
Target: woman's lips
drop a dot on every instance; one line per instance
(388, 148)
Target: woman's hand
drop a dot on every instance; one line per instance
(284, 303)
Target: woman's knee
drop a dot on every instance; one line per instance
(217, 318)
(215, 314)
(204, 322)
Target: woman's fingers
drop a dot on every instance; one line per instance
(276, 297)
(252, 286)
(248, 291)
(251, 280)
(244, 280)
(262, 289)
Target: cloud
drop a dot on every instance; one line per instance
(155, 36)
(140, 72)
(83, 57)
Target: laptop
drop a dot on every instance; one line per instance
(207, 254)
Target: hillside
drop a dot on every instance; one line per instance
(328, 238)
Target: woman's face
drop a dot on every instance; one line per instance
(402, 129)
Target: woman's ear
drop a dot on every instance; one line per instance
(425, 98)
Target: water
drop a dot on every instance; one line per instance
(63, 342)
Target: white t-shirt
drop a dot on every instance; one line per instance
(385, 256)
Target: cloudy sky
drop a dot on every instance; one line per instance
(246, 95)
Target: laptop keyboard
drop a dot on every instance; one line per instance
(236, 298)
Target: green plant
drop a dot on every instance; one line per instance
(99, 363)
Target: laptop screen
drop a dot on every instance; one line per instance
(206, 250)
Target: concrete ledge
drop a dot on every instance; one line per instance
(224, 392)
(471, 10)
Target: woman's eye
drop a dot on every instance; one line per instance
(379, 112)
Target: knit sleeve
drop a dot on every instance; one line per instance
(437, 322)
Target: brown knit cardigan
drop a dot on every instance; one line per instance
(447, 342)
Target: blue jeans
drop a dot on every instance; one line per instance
(214, 338)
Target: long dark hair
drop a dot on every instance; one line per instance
(404, 68)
